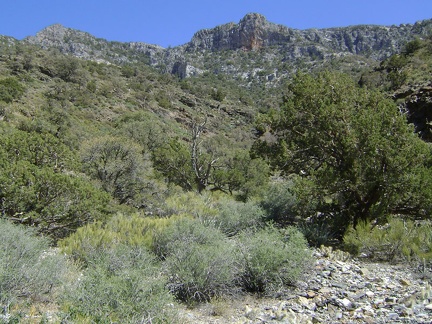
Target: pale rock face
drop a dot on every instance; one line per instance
(254, 32)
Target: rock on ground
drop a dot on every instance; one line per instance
(336, 290)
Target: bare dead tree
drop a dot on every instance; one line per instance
(202, 167)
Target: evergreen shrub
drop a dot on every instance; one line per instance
(120, 284)
(235, 216)
(189, 231)
(272, 258)
(280, 202)
(199, 272)
(29, 268)
(10, 89)
(199, 260)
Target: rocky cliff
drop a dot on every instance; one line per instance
(276, 44)
(281, 50)
(255, 32)
(251, 33)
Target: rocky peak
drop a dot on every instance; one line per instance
(251, 33)
(67, 40)
(56, 35)
(52, 33)
(86, 46)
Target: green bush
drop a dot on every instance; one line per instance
(118, 164)
(42, 150)
(279, 203)
(272, 258)
(235, 216)
(201, 271)
(28, 267)
(163, 100)
(396, 240)
(39, 184)
(199, 260)
(56, 203)
(346, 119)
(188, 231)
(319, 232)
(10, 89)
(218, 94)
(412, 46)
(120, 284)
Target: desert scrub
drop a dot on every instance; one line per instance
(133, 230)
(184, 230)
(199, 260)
(201, 207)
(279, 203)
(235, 216)
(29, 268)
(398, 239)
(272, 258)
(199, 272)
(319, 232)
(120, 284)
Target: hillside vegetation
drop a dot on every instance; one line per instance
(126, 192)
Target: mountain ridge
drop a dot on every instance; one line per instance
(254, 33)
(39, 37)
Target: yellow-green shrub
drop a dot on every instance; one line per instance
(134, 230)
(398, 239)
(190, 203)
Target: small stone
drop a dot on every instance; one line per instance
(332, 309)
(369, 320)
(405, 282)
(249, 312)
(369, 293)
(310, 294)
(422, 315)
(390, 299)
(303, 301)
(320, 301)
(428, 307)
(339, 316)
(368, 285)
(326, 273)
(345, 302)
(378, 301)
(364, 271)
(339, 285)
(393, 316)
(358, 296)
(325, 290)
(346, 268)
(368, 310)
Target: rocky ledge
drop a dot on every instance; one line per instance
(336, 290)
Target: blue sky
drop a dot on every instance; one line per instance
(171, 23)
